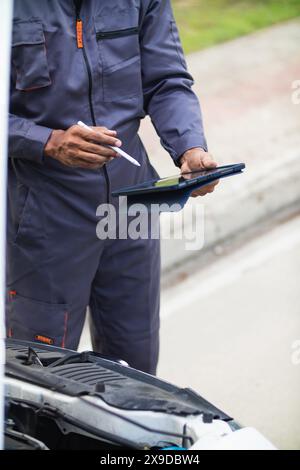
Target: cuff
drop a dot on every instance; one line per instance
(34, 142)
(184, 143)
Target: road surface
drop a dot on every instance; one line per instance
(230, 332)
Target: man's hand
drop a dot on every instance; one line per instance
(77, 147)
(197, 159)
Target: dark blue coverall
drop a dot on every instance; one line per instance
(131, 64)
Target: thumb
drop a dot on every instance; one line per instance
(208, 162)
(185, 168)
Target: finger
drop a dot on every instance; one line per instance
(91, 158)
(89, 147)
(210, 187)
(206, 189)
(103, 139)
(98, 129)
(201, 192)
(99, 137)
(208, 161)
(185, 168)
(108, 140)
(105, 130)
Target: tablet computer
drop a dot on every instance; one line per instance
(181, 181)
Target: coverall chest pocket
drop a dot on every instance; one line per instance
(117, 38)
(29, 57)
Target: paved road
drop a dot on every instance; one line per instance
(228, 332)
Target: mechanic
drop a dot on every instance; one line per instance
(108, 63)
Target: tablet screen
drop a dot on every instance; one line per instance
(176, 180)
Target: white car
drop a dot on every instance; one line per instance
(61, 399)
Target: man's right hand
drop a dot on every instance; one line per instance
(78, 147)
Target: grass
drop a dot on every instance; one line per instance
(203, 23)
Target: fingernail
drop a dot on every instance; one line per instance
(118, 143)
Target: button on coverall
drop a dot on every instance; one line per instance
(127, 64)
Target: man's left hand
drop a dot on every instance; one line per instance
(197, 159)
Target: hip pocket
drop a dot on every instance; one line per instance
(38, 321)
(30, 224)
(29, 57)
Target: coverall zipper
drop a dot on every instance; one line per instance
(116, 34)
(80, 45)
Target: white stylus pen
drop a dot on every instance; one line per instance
(116, 149)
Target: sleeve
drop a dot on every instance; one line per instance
(27, 139)
(167, 86)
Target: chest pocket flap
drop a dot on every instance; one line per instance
(29, 57)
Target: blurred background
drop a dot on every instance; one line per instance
(231, 311)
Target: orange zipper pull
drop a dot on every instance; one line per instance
(79, 35)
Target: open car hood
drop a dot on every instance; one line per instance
(83, 400)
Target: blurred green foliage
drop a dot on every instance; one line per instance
(203, 23)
